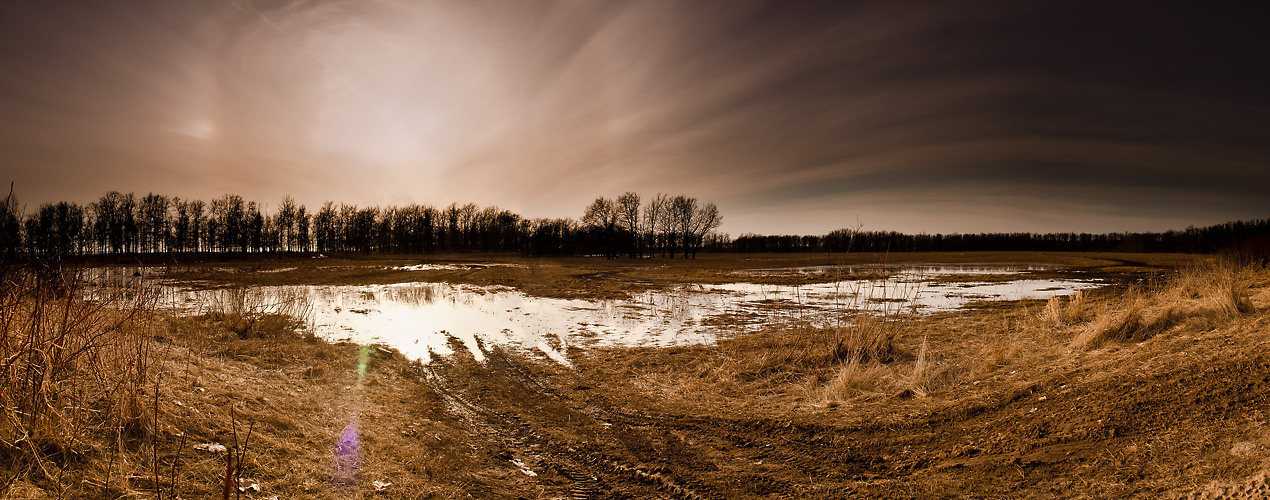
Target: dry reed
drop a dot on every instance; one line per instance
(260, 312)
(75, 361)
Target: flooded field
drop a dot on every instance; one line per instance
(959, 390)
(421, 319)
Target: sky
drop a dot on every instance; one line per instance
(794, 117)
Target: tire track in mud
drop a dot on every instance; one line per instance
(810, 453)
(593, 471)
(498, 427)
(600, 448)
(807, 452)
(755, 456)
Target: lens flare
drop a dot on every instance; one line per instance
(347, 460)
(348, 453)
(363, 357)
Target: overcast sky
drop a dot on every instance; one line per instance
(792, 116)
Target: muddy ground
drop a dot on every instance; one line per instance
(988, 403)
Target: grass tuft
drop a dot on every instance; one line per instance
(260, 313)
(852, 380)
(1060, 310)
(1206, 294)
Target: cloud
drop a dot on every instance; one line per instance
(1080, 114)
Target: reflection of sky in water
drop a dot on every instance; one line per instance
(418, 317)
(912, 270)
(452, 267)
(433, 267)
(421, 318)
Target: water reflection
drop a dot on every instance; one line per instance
(910, 270)
(453, 267)
(420, 319)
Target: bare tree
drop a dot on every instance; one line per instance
(682, 210)
(602, 215)
(486, 228)
(128, 219)
(362, 229)
(325, 227)
(10, 227)
(347, 224)
(114, 221)
(654, 220)
(270, 234)
(285, 222)
(628, 212)
(467, 222)
(54, 229)
(427, 227)
(229, 218)
(180, 225)
(198, 224)
(153, 222)
(450, 217)
(302, 228)
(705, 220)
(254, 224)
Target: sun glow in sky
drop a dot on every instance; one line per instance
(792, 117)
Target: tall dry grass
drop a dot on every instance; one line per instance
(76, 356)
(260, 312)
(1060, 310)
(858, 355)
(1200, 296)
(869, 361)
(865, 362)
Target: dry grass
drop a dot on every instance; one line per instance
(302, 398)
(860, 357)
(104, 397)
(1062, 311)
(259, 313)
(76, 366)
(1200, 296)
(83, 419)
(879, 356)
(853, 379)
(1144, 391)
(802, 347)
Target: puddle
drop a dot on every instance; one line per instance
(433, 267)
(453, 267)
(920, 296)
(921, 270)
(420, 319)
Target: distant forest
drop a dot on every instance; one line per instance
(126, 225)
(668, 226)
(1240, 237)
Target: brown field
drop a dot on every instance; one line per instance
(1155, 387)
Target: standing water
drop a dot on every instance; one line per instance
(420, 319)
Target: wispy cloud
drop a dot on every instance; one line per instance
(926, 116)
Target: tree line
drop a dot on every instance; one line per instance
(120, 224)
(1250, 237)
(680, 226)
